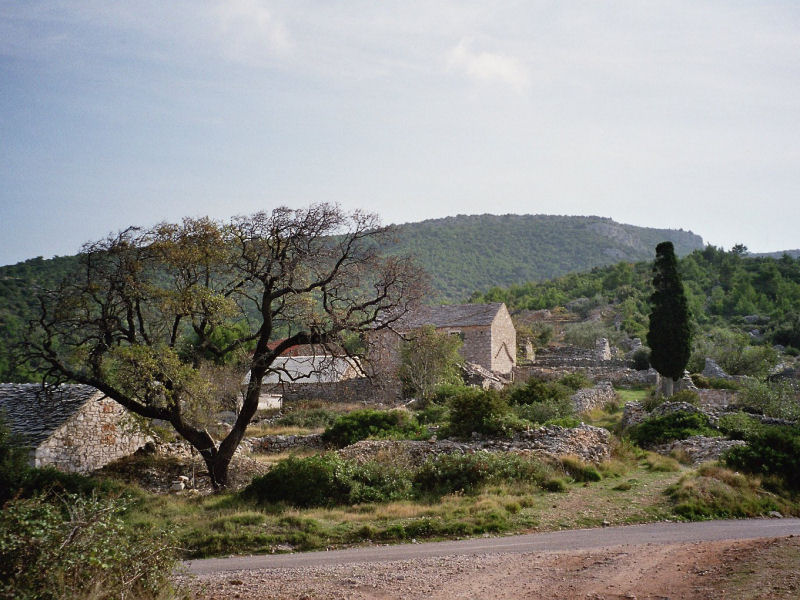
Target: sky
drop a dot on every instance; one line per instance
(681, 114)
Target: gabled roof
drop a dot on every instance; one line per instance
(311, 369)
(309, 349)
(450, 315)
(34, 416)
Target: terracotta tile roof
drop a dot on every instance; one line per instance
(34, 416)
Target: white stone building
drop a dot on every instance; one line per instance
(73, 428)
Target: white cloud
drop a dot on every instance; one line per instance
(249, 31)
(488, 67)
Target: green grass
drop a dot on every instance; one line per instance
(575, 495)
(627, 395)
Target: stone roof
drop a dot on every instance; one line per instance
(33, 415)
(451, 315)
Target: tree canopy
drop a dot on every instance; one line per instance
(167, 320)
(669, 336)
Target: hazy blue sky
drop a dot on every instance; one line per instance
(667, 114)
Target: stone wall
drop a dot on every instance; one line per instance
(589, 398)
(591, 444)
(274, 444)
(99, 432)
(366, 390)
(614, 372)
(699, 449)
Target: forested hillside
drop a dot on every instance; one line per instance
(19, 285)
(468, 253)
(463, 254)
(756, 296)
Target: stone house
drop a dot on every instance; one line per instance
(74, 428)
(305, 366)
(488, 336)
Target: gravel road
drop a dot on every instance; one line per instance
(558, 541)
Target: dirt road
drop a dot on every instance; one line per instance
(716, 559)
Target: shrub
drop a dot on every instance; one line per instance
(566, 422)
(773, 451)
(714, 492)
(775, 399)
(652, 401)
(363, 424)
(579, 470)
(662, 464)
(449, 473)
(688, 396)
(79, 547)
(675, 426)
(537, 390)
(542, 401)
(740, 426)
(585, 334)
(575, 381)
(328, 480)
(446, 391)
(309, 417)
(433, 413)
(480, 411)
(641, 359)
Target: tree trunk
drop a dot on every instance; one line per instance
(666, 386)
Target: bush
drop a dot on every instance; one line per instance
(433, 413)
(450, 473)
(363, 424)
(773, 451)
(641, 359)
(79, 547)
(542, 401)
(776, 399)
(714, 492)
(308, 418)
(579, 470)
(688, 396)
(740, 426)
(480, 411)
(537, 390)
(446, 391)
(714, 383)
(675, 426)
(328, 480)
(575, 381)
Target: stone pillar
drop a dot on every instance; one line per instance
(530, 353)
(602, 349)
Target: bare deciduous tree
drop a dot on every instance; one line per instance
(154, 314)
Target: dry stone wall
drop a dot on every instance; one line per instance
(591, 444)
(589, 398)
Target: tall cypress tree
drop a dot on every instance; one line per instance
(670, 332)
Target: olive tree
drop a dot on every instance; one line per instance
(154, 314)
(429, 358)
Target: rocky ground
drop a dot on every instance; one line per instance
(704, 570)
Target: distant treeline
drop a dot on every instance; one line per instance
(726, 289)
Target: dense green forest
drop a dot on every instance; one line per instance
(752, 295)
(468, 253)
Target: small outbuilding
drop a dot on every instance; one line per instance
(74, 428)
